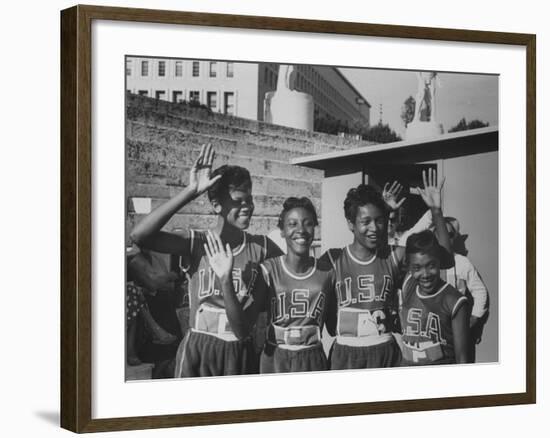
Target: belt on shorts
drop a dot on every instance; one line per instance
(213, 321)
(422, 352)
(294, 338)
(359, 328)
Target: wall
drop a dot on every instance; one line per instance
(478, 216)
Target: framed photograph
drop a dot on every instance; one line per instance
(269, 219)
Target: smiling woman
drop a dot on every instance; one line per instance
(434, 315)
(212, 346)
(298, 292)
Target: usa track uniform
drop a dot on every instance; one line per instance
(366, 310)
(426, 321)
(210, 348)
(296, 305)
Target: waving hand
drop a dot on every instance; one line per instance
(199, 178)
(390, 194)
(431, 193)
(220, 258)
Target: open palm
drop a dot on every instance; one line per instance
(391, 193)
(199, 178)
(431, 193)
(220, 258)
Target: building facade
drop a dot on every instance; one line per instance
(238, 88)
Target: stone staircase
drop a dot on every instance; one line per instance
(163, 139)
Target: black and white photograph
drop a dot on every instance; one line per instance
(292, 218)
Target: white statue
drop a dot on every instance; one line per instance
(285, 79)
(424, 123)
(425, 108)
(287, 106)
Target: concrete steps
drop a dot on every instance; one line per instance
(164, 139)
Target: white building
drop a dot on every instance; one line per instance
(238, 88)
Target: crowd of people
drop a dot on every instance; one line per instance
(389, 299)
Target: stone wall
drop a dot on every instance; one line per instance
(163, 139)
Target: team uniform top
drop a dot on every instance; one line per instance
(206, 302)
(296, 303)
(426, 321)
(365, 296)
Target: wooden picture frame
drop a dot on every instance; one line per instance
(76, 217)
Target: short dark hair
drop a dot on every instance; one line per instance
(424, 242)
(294, 202)
(361, 195)
(232, 176)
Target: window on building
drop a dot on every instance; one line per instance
(179, 68)
(160, 94)
(194, 96)
(229, 103)
(213, 70)
(128, 67)
(143, 92)
(162, 68)
(212, 100)
(144, 68)
(177, 96)
(229, 70)
(196, 69)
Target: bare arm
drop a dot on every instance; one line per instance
(147, 276)
(148, 234)
(431, 194)
(461, 337)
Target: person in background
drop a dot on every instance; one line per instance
(141, 280)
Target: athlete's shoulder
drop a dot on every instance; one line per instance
(271, 264)
(409, 284)
(264, 245)
(255, 240)
(332, 256)
(452, 299)
(325, 263)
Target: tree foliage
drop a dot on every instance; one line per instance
(463, 125)
(407, 110)
(381, 134)
(331, 126)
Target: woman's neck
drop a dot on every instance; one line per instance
(361, 252)
(228, 233)
(298, 263)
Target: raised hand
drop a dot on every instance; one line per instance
(431, 193)
(391, 194)
(220, 258)
(199, 178)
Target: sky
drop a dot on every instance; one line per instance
(458, 95)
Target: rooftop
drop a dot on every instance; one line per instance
(469, 142)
